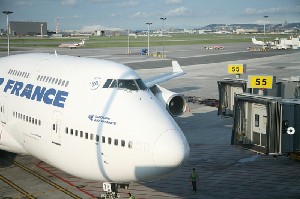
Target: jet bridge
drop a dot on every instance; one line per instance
(266, 124)
(227, 90)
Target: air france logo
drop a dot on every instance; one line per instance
(49, 96)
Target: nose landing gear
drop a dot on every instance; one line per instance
(111, 190)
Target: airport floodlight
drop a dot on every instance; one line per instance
(148, 23)
(162, 34)
(7, 32)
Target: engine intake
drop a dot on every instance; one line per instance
(175, 103)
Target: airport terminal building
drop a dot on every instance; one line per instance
(27, 28)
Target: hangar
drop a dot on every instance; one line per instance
(27, 28)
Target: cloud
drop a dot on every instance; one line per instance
(129, 3)
(71, 17)
(277, 10)
(24, 3)
(182, 11)
(68, 2)
(173, 1)
(93, 28)
(139, 15)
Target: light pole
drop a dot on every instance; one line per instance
(7, 13)
(128, 50)
(162, 34)
(148, 37)
(265, 26)
(42, 30)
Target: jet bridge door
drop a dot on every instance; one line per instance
(56, 127)
(259, 124)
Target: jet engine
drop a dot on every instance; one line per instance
(175, 103)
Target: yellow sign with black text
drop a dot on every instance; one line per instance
(260, 81)
(235, 68)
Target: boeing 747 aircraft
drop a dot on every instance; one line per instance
(91, 118)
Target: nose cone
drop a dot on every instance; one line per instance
(170, 151)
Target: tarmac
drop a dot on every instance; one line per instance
(224, 171)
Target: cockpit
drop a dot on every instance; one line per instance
(126, 84)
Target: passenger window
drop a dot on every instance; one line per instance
(130, 144)
(86, 136)
(40, 122)
(103, 139)
(122, 143)
(116, 142)
(71, 132)
(53, 127)
(97, 138)
(76, 132)
(109, 140)
(91, 136)
(67, 130)
(81, 134)
(67, 83)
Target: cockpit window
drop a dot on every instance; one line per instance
(141, 84)
(127, 84)
(130, 84)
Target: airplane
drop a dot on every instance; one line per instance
(269, 44)
(94, 119)
(73, 45)
(264, 43)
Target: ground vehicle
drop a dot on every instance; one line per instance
(144, 51)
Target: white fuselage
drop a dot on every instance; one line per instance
(71, 113)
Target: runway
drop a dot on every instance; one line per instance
(224, 171)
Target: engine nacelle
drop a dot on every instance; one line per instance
(175, 103)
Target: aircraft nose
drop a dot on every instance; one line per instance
(170, 151)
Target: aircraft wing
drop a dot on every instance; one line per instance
(177, 71)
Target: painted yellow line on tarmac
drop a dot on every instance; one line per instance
(16, 187)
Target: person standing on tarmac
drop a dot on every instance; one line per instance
(194, 178)
(131, 196)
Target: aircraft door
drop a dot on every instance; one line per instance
(56, 124)
(3, 114)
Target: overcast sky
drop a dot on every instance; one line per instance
(133, 14)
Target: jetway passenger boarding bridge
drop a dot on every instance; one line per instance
(266, 124)
(266, 111)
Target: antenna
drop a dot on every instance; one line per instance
(56, 25)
